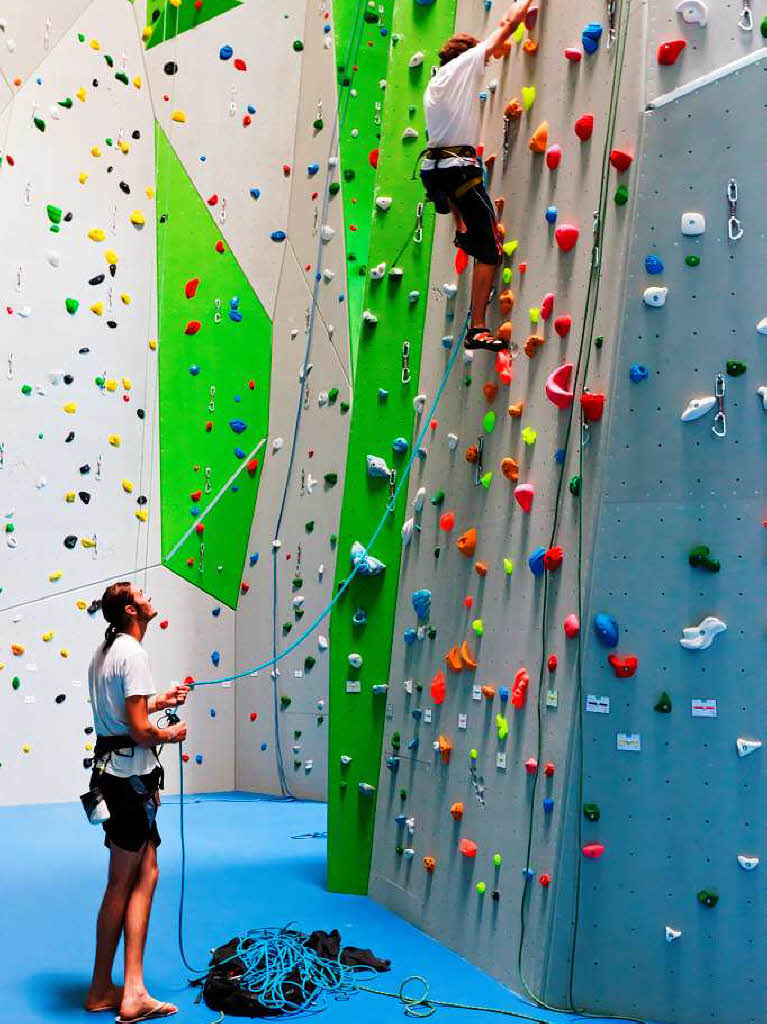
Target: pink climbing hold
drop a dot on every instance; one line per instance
(557, 386)
(531, 17)
(562, 325)
(573, 54)
(572, 626)
(669, 51)
(593, 850)
(547, 306)
(531, 766)
(525, 493)
(553, 156)
(190, 288)
(620, 159)
(566, 235)
(192, 327)
(584, 126)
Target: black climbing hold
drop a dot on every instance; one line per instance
(85, 469)
(431, 632)
(708, 899)
(344, 407)
(112, 269)
(84, 497)
(141, 500)
(170, 68)
(155, 15)
(69, 378)
(112, 324)
(87, 762)
(60, 698)
(98, 279)
(285, 701)
(70, 437)
(591, 812)
(140, 413)
(436, 552)
(94, 606)
(331, 479)
(135, 134)
(68, 216)
(663, 704)
(296, 734)
(163, 217)
(309, 663)
(125, 187)
(70, 541)
(496, 895)
(83, 351)
(88, 730)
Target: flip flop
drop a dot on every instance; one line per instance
(161, 1010)
(481, 338)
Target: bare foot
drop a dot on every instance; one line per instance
(98, 1002)
(145, 1007)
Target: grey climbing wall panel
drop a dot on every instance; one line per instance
(675, 816)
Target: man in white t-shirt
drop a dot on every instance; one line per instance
(128, 775)
(452, 172)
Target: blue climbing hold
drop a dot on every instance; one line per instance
(239, 453)
(638, 373)
(400, 819)
(412, 744)
(225, 53)
(399, 445)
(422, 603)
(653, 264)
(548, 805)
(253, 559)
(416, 713)
(551, 214)
(447, 341)
(360, 617)
(278, 236)
(255, 192)
(215, 657)
(590, 37)
(483, 96)
(535, 561)
(263, 746)
(198, 758)
(606, 628)
(238, 426)
(365, 564)
(422, 453)
(503, 694)
(212, 712)
(194, 369)
(235, 314)
(312, 169)
(251, 109)
(409, 636)
(559, 456)
(383, 394)
(528, 873)
(215, 612)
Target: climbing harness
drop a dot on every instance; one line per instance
(719, 428)
(734, 230)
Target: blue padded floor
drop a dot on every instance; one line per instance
(243, 871)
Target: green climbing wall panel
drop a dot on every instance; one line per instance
(356, 719)
(167, 20)
(363, 34)
(225, 355)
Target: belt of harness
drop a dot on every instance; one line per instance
(108, 745)
(438, 153)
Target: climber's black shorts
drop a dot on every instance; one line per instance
(132, 810)
(481, 239)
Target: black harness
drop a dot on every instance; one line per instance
(441, 198)
(120, 744)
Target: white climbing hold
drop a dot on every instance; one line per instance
(762, 392)
(54, 258)
(277, 443)
(452, 441)
(276, 544)
(468, 357)
(322, 642)
(409, 133)
(320, 571)
(328, 274)
(413, 296)
(418, 500)
(326, 232)
(419, 403)
(693, 12)
(407, 531)
(345, 760)
(355, 660)
(747, 863)
(24, 311)
(655, 296)
(492, 85)
(450, 290)
(378, 272)
(762, 325)
(322, 399)
(332, 161)
(383, 203)
(698, 638)
(698, 407)
(693, 223)
(56, 377)
(368, 317)
(416, 60)
(746, 747)
(672, 933)
(311, 482)
(396, 272)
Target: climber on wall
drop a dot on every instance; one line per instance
(127, 777)
(451, 171)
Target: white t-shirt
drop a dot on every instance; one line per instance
(452, 103)
(122, 672)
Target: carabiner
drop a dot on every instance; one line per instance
(418, 235)
(719, 428)
(734, 230)
(405, 362)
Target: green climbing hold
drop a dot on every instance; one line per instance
(349, 175)
(763, 27)
(486, 479)
(309, 527)
(121, 77)
(15, 682)
(575, 485)
(333, 540)
(735, 368)
(708, 899)
(621, 195)
(344, 407)
(72, 306)
(309, 663)
(480, 887)
(67, 103)
(54, 214)
(39, 123)
(110, 62)
(331, 479)
(10, 528)
(431, 632)
(692, 261)
(663, 704)
(334, 188)
(332, 396)
(591, 812)
(26, 389)
(317, 124)
(467, 380)
(80, 37)
(297, 582)
(399, 849)
(286, 628)
(599, 341)
(437, 498)
(488, 421)
(371, 17)
(497, 859)
(285, 702)
(699, 558)
(298, 45)
(403, 794)
(395, 741)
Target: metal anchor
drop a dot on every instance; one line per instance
(734, 230)
(719, 428)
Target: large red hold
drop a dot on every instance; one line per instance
(562, 325)
(438, 688)
(584, 126)
(593, 405)
(623, 667)
(593, 850)
(468, 847)
(566, 235)
(620, 159)
(669, 51)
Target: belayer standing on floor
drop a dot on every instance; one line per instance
(127, 777)
(451, 171)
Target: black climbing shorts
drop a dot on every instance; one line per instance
(481, 239)
(132, 810)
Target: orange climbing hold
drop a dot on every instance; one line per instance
(489, 161)
(515, 411)
(467, 542)
(504, 331)
(468, 658)
(510, 468)
(456, 811)
(445, 749)
(480, 569)
(530, 47)
(438, 688)
(513, 109)
(539, 140)
(506, 299)
(490, 390)
(454, 660)
(468, 847)
(472, 453)
(488, 692)
(430, 863)
(532, 345)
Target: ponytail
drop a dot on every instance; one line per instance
(113, 604)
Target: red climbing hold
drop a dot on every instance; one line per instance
(593, 405)
(525, 493)
(286, 170)
(523, 267)
(468, 847)
(213, 200)
(461, 261)
(548, 769)
(240, 64)
(438, 688)
(164, 624)
(593, 850)
(433, 424)
(519, 691)
(468, 601)
(251, 385)
(547, 306)
(668, 52)
(531, 766)
(195, 495)
(620, 159)
(447, 521)
(553, 558)
(566, 235)
(192, 327)
(545, 881)
(209, 426)
(246, 120)
(373, 158)
(584, 126)
(199, 529)
(253, 467)
(571, 53)
(220, 246)
(553, 156)
(551, 663)
(244, 587)
(623, 667)
(562, 325)
(198, 5)
(572, 626)
(253, 716)
(503, 366)
(190, 288)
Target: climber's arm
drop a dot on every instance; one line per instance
(511, 20)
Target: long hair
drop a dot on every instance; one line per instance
(113, 603)
(455, 46)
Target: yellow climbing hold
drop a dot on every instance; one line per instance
(114, 440)
(127, 383)
(81, 94)
(508, 566)
(55, 576)
(48, 636)
(111, 257)
(124, 146)
(70, 407)
(70, 496)
(137, 81)
(125, 299)
(81, 605)
(153, 344)
(535, 314)
(127, 486)
(149, 192)
(146, 33)
(95, 44)
(110, 384)
(503, 726)
(26, 749)
(17, 649)
(95, 151)
(528, 96)
(518, 32)
(142, 515)
(98, 308)
(82, 177)
(88, 543)
(509, 248)
(96, 235)
(175, 3)
(137, 218)
(64, 652)
(529, 435)
(179, 116)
